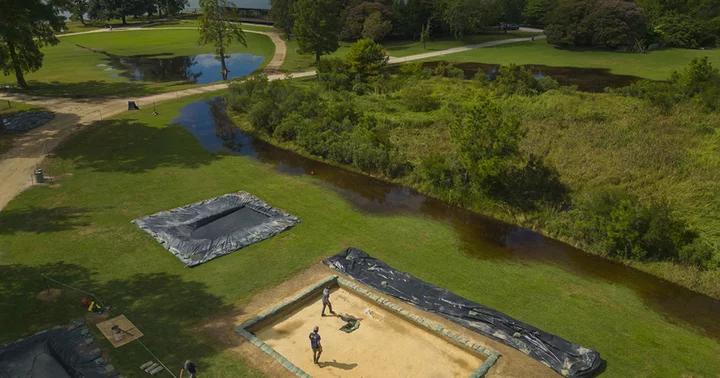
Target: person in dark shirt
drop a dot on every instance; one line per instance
(315, 345)
(190, 368)
(326, 301)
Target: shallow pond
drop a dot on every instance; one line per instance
(197, 69)
(481, 236)
(586, 79)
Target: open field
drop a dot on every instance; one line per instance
(656, 65)
(406, 48)
(70, 69)
(295, 62)
(79, 230)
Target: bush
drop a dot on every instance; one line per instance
(680, 30)
(419, 98)
(366, 59)
(333, 74)
(514, 79)
(618, 225)
(448, 70)
(699, 82)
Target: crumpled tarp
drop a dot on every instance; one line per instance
(67, 352)
(564, 357)
(205, 230)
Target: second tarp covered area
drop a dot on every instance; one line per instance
(564, 357)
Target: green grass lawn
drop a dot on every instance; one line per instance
(72, 71)
(654, 65)
(8, 108)
(80, 231)
(406, 48)
(296, 62)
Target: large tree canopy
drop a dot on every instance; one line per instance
(317, 26)
(25, 27)
(281, 12)
(611, 23)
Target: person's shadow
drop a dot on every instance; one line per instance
(338, 365)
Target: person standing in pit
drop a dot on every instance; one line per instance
(326, 301)
(315, 345)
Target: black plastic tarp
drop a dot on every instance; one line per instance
(67, 352)
(202, 231)
(564, 357)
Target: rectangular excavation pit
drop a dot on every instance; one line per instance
(390, 341)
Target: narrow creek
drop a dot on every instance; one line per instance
(482, 237)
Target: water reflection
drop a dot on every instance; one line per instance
(586, 79)
(481, 236)
(197, 69)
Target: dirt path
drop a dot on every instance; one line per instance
(462, 49)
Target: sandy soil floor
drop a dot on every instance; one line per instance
(221, 329)
(384, 345)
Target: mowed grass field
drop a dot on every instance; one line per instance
(296, 62)
(70, 69)
(657, 65)
(117, 170)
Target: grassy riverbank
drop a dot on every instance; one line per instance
(79, 230)
(656, 65)
(72, 69)
(580, 150)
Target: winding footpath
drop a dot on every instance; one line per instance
(31, 148)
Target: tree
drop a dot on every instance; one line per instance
(357, 21)
(110, 9)
(217, 29)
(610, 23)
(366, 59)
(679, 30)
(77, 9)
(316, 26)
(25, 27)
(281, 12)
(171, 7)
(465, 16)
(409, 16)
(487, 140)
(425, 35)
(537, 11)
(376, 27)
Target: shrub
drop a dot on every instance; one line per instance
(333, 73)
(699, 82)
(419, 98)
(680, 30)
(617, 224)
(448, 70)
(514, 79)
(366, 59)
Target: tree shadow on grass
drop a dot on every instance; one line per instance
(88, 89)
(128, 146)
(38, 220)
(22, 312)
(164, 306)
